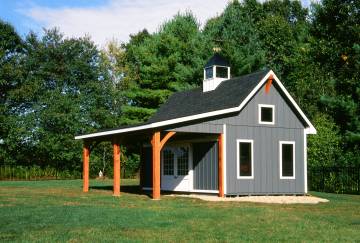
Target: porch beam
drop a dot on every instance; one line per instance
(116, 186)
(221, 165)
(86, 159)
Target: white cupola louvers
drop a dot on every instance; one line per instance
(216, 70)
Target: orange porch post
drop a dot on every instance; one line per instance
(221, 165)
(157, 145)
(116, 187)
(156, 165)
(86, 158)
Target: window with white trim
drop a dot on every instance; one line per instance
(266, 114)
(183, 161)
(168, 160)
(209, 72)
(221, 72)
(287, 159)
(245, 159)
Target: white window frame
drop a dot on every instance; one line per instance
(273, 114)
(238, 141)
(280, 159)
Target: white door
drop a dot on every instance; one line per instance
(175, 168)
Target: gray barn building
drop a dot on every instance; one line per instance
(232, 136)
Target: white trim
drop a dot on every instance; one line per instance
(238, 141)
(194, 190)
(205, 191)
(310, 130)
(305, 164)
(280, 159)
(224, 157)
(273, 114)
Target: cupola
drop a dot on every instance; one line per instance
(216, 70)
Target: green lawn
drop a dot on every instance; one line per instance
(50, 211)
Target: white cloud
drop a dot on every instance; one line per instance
(119, 18)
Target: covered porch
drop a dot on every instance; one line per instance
(155, 141)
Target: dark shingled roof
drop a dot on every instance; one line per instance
(228, 94)
(217, 59)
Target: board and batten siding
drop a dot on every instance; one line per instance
(205, 165)
(287, 127)
(245, 125)
(201, 127)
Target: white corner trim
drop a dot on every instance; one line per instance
(305, 165)
(273, 114)
(204, 191)
(224, 158)
(310, 130)
(280, 159)
(238, 141)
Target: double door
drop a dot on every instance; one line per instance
(175, 168)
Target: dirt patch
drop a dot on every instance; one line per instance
(258, 199)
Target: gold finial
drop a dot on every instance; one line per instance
(216, 49)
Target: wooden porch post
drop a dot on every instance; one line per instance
(221, 165)
(86, 158)
(157, 145)
(155, 142)
(116, 187)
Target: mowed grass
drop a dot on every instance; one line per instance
(58, 211)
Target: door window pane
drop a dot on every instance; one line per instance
(245, 158)
(168, 161)
(183, 161)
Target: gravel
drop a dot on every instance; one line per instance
(258, 199)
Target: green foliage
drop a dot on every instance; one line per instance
(325, 147)
(159, 64)
(53, 88)
(234, 31)
(130, 165)
(35, 172)
(63, 92)
(336, 29)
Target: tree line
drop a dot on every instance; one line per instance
(53, 87)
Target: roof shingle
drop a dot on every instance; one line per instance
(228, 94)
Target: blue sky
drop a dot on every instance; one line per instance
(103, 20)
(14, 11)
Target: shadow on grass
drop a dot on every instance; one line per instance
(131, 189)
